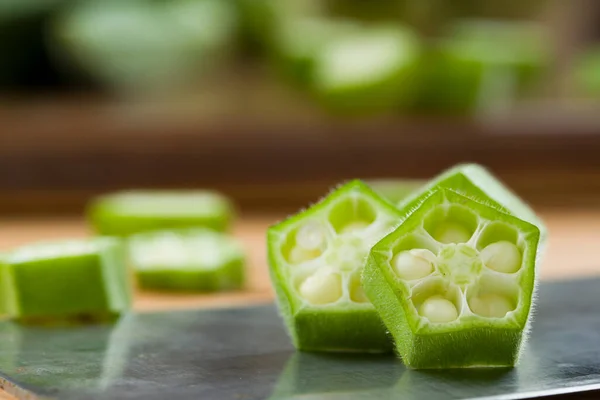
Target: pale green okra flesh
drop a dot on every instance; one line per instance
(195, 260)
(454, 282)
(129, 212)
(316, 258)
(68, 280)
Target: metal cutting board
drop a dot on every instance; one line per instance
(245, 354)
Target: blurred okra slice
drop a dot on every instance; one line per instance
(481, 65)
(454, 283)
(316, 258)
(300, 40)
(68, 280)
(129, 212)
(187, 260)
(143, 45)
(369, 70)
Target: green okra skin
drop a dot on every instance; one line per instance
(3, 289)
(130, 212)
(315, 260)
(192, 260)
(371, 70)
(395, 190)
(456, 276)
(477, 182)
(68, 280)
(480, 65)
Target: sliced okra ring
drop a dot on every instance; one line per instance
(77, 280)
(371, 70)
(197, 260)
(130, 212)
(316, 258)
(456, 277)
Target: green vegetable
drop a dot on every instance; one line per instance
(144, 45)
(187, 260)
(316, 258)
(458, 274)
(482, 65)
(129, 212)
(300, 41)
(370, 70)
(66, 280)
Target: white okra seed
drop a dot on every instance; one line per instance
(413, 264)
(322, 287)
(299, 255)
(355, 226)
(502, 256)
(491, 305)
(438, 309)
(452, 232)
(311, 236)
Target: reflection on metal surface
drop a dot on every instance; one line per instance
(244, 353)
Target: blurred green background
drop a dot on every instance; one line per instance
(273, 100)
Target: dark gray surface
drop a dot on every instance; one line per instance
(245, 354)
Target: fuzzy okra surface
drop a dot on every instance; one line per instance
(187, 260)
(316, 258)
(455, 282)
(60, 281)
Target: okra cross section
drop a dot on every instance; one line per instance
(129, 212)
(454, 283)
(198, 260)
(316, 258)
(63, 281)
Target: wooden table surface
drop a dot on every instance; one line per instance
(574, 239)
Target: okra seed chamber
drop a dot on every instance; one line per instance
(316, 259)
(457, 275)
(456, 260)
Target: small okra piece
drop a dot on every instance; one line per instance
(66, 280)
(198, 260)
(482, 64)
(299, 42)
(454, 283)
(168, 44)
(369, 70)
(129, 212)
(316, 258)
